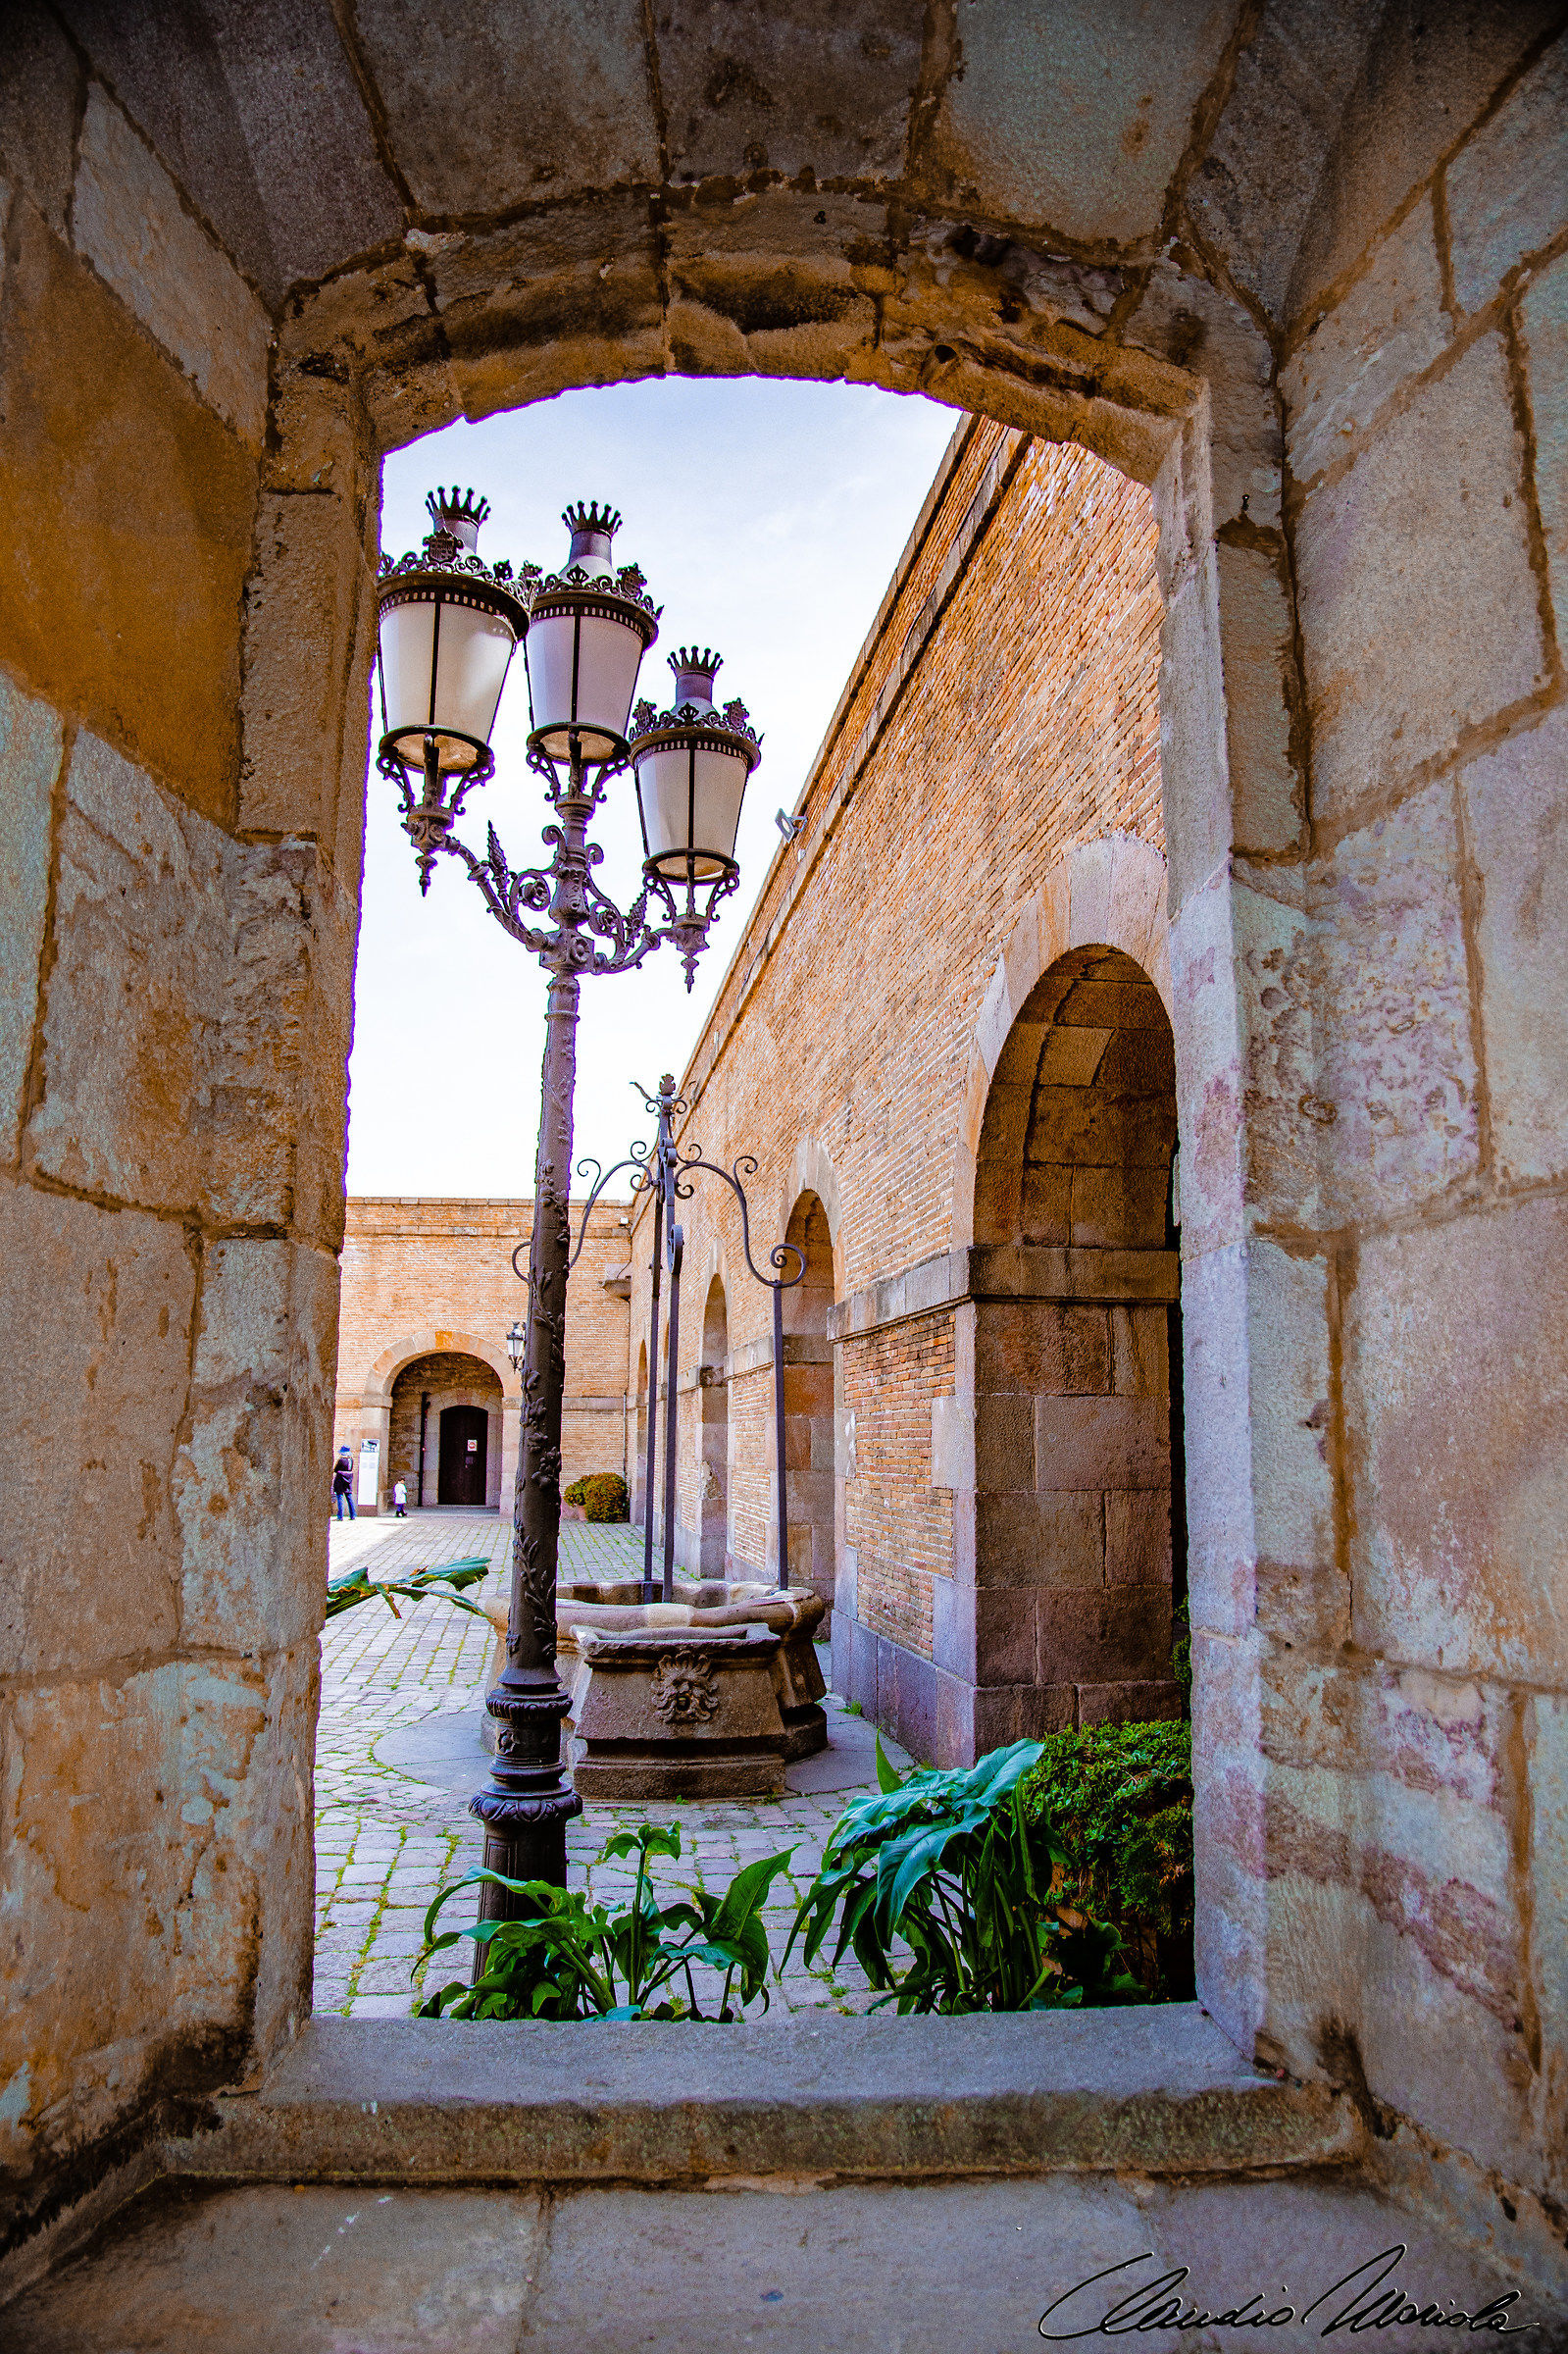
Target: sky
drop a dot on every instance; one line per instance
(768, 517)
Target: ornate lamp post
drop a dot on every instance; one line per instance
(448, 629)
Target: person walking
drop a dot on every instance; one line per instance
(344, 1483)
(400, 1498)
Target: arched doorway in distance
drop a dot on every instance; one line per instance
(464, 1456)
(439, 1402)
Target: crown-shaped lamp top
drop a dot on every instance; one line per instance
(694, 674)
(459, 513)
(592, 528)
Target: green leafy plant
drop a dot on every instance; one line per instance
(949, 1864)
(344, 1593)
(1181, 1652)
(1118, 1802)
(567, 1958)
(602, 1496)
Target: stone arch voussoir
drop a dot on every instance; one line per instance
(812, 1172)
(387, 1366)
(1110, 891)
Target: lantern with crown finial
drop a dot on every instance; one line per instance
(691, 764)
(589, 627)
(448, 626)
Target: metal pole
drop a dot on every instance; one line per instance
(678, 1244)
(653, 1395)
(779, 1430)
(527, 1806)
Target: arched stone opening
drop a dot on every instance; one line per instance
(713, 1435)
(1075, 1297)
(898, 239)
(445, 1434)
(808, 1398)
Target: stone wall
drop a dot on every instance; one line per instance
(1298, 273)
(174, 1029)
(421, 1279)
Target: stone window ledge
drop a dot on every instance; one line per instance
(427, 2101)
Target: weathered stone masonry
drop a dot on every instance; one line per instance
(1298, 273)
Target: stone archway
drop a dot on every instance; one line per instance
(1069, 1337)
(213, 333)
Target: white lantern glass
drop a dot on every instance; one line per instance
(689, 795)
(583, 664)
(444, 660)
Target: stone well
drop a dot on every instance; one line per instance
(705, 1728)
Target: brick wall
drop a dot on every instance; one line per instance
(422, 1280)
(1003, 713)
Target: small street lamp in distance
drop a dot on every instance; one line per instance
(449, 628)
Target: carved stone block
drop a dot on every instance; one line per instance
(681, 1712)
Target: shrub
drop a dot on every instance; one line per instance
(955, 1867)
(1181, 1652)
(1119, 1801)
(602, 1495)
(568, 1959)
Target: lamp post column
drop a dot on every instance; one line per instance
(529, 1803)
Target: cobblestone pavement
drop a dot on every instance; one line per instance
(385, 1842)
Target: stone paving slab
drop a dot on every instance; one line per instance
(385, 1841)
(958, 2268)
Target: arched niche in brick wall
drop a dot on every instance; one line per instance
(713, 1434)
(638, 1482)
(808, 1387)
(1073, 1341)
(1108, 892)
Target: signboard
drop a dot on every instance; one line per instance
(370, 1472)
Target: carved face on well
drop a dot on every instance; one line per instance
(684, 1690)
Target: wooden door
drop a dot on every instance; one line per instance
(465, 1439)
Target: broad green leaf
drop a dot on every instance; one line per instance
(887, 1776)
(748, 1890)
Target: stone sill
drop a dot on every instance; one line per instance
(427, 2101)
